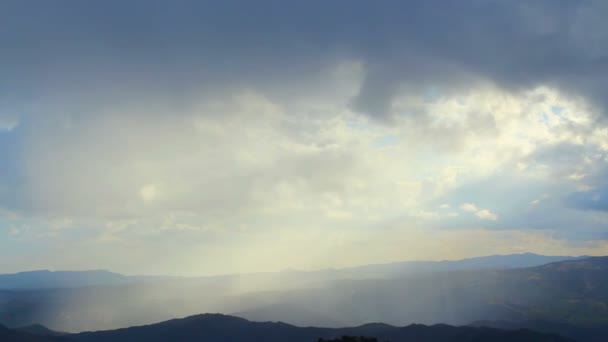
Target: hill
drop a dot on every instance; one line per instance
(581, 333)
(274, 280)
(60, 279)
(397, 269)
(221, 328)
(40, 330)
(571, 291)
(574, 292)
(10, 335)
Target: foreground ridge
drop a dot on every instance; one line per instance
(224, 328)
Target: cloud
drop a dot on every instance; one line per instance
(486, 214)
(8, 122)
(470, 207)
(483, 214)
(177, 48)
(208, 125)
(595, 199)
(8, 214)
(149, 192)
(243, 163)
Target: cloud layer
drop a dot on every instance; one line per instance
(244, 129)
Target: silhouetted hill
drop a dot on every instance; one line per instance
(581, 333)
(287, 313)
(350, 339)
(40, 330)
(10, 335)
(221, 328)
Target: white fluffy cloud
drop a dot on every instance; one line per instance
(484, 214)
(213, 134)
(244, 167)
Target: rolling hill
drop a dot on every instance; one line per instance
(221, 328)
(570, 291)
(273, 280)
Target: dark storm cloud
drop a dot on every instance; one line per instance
(132, 48)
(596, 199)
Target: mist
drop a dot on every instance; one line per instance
(428, 292)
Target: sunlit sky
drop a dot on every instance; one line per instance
(206, 137)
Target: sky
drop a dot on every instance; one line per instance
(210, 137)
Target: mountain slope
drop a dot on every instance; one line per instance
(581, 333)
(457, 297)
(264, 281)
(40, 330)
(60, 279)
(288, 314)
(9, 335)
(220, 328)
(574, 292)
(391, 270)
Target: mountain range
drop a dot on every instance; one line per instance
(568, 297)
(221, 328)
(60, 279)
(73, 279)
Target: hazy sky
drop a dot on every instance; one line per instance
(202, 137)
